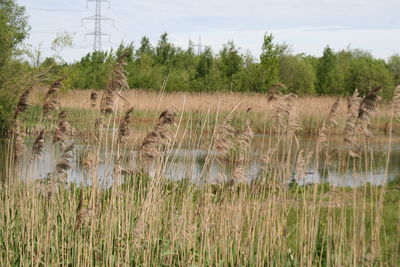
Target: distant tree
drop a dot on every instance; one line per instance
(329, 76)
(165, 51)
(270, 60)
(366, 72)
(297, 74)
(230, 62)
(145, 47)
(394, 67)
(92, 71)
(204, 66)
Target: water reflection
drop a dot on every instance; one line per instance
(192, 164)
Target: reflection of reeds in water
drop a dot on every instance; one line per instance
(123, 130)
(158, 139)
(51, 100)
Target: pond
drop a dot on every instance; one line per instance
(184, 162)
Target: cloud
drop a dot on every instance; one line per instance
(308, 25)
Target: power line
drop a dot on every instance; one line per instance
(98, 18)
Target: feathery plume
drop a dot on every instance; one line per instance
(117, 81)
(301, 165)
(22, 104)
(118, 170)
(283, 113)
(244, 141)
(93, 97)
(51, 100)
(88, 158)
(123, 131)
(63, 129)
(353, 108)
(158, 139)
(323, 138)
(367, 108)
(224, 139)
(82, 212)
(38, 145)
(274, 93)
(19, 147)
(331, 119)
(64, 163)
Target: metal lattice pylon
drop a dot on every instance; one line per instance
(97, 33)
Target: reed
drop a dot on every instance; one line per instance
(131, 214)
(51, 101)
(123, 130)
(117, 81)
(63, 129)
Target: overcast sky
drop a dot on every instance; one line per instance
(306, 25)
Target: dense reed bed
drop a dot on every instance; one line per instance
(130, 214)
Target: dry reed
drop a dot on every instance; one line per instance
(51, 100)
(63, 129)
(64, 163)
(22, 104)
(38, 145)
(158, 139)
(93, 98)
(123, 130)
(117, 81)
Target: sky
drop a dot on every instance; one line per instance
(307, 26)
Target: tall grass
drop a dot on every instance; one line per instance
(141, 218)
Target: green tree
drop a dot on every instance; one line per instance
(366, 72)
(145, 47)
(204, 66)
(394, 67)
(230, 62)
(165, 51)
(13, 30)
(270, 60)
(297, 74)
(329, 76)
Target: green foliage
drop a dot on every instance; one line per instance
(13, 30)
(92, 71)
(366, 72)
(297, 74)
(394, 67)
(329, 75)
(270, 60)
(205, 64)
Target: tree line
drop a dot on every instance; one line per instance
(165, 66)
(230, 69)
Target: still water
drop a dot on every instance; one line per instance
(187, 163)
